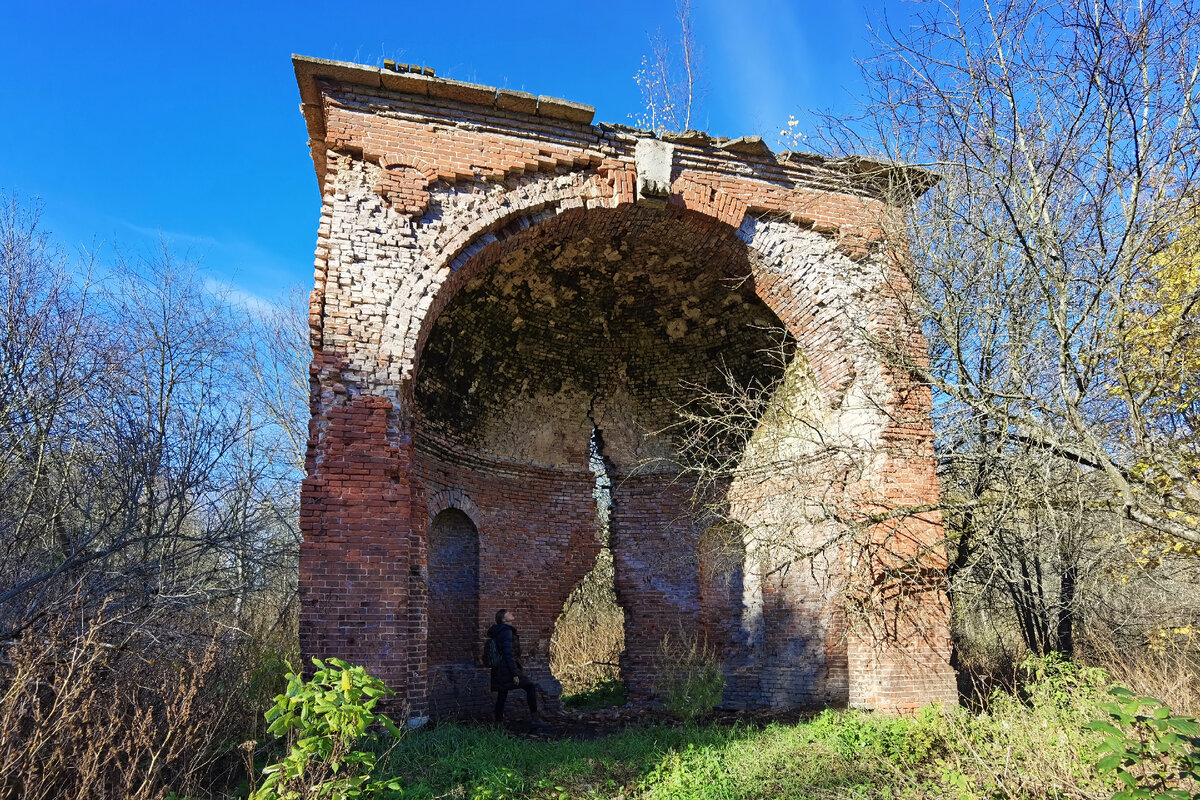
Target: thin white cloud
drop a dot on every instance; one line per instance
(233, 260)
(241, 298)
(173, 237)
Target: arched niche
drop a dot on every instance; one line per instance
(453, 589)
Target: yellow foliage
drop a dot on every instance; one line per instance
(1161, 334)
(1157, 359)
(1173, 637)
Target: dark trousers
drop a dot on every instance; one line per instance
(530, 689)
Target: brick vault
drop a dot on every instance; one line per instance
(498, 280)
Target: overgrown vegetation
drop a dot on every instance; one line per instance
(89, 707)
(604, 694)
(689, 677)
(150, 451)
(1033, 744)
(1152, 751)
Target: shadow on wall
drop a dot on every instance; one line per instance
(794, 649)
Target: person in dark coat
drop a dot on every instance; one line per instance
(510, 674)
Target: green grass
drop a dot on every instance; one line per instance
(605, 695)
(1024, 747)
(739, 761)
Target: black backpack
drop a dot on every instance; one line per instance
(491, 653)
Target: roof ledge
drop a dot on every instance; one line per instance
(888, 179)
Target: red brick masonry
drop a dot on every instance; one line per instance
(497, 278)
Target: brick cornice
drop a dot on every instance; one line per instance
(744, 155)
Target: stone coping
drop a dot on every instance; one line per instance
(421, 81)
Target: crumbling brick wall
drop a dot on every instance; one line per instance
(497, 280)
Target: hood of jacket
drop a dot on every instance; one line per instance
(494, 631)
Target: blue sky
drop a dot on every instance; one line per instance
(135, 121)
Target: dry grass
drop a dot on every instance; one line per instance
(89, 711)
(1168, 669)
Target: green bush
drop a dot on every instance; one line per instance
(325, 720)
(690, 681)
(1054, 681)
(1153, 752)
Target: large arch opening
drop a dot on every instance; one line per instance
(595, 326)
(606, 318)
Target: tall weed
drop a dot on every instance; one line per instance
(89, 712)
(1031, 744)
(688, 676)
(1154, 753)
(1167, 667)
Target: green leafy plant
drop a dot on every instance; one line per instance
(1153, 752)
(898, 740)
(689, 680)
(1053, 681)
(325, 720)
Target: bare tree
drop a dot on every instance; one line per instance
(667, 78)
(279, 360)
(150, 447)
(138, 468)
(1066, 140)
(1042, 266)
(54, 357)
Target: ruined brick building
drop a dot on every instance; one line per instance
(504, 291)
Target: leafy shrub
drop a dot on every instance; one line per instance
(1054, 681)
(325, 719)
(689, 679)
(1154, 753)
(899, 740)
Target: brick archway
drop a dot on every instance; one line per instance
(463, 224)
